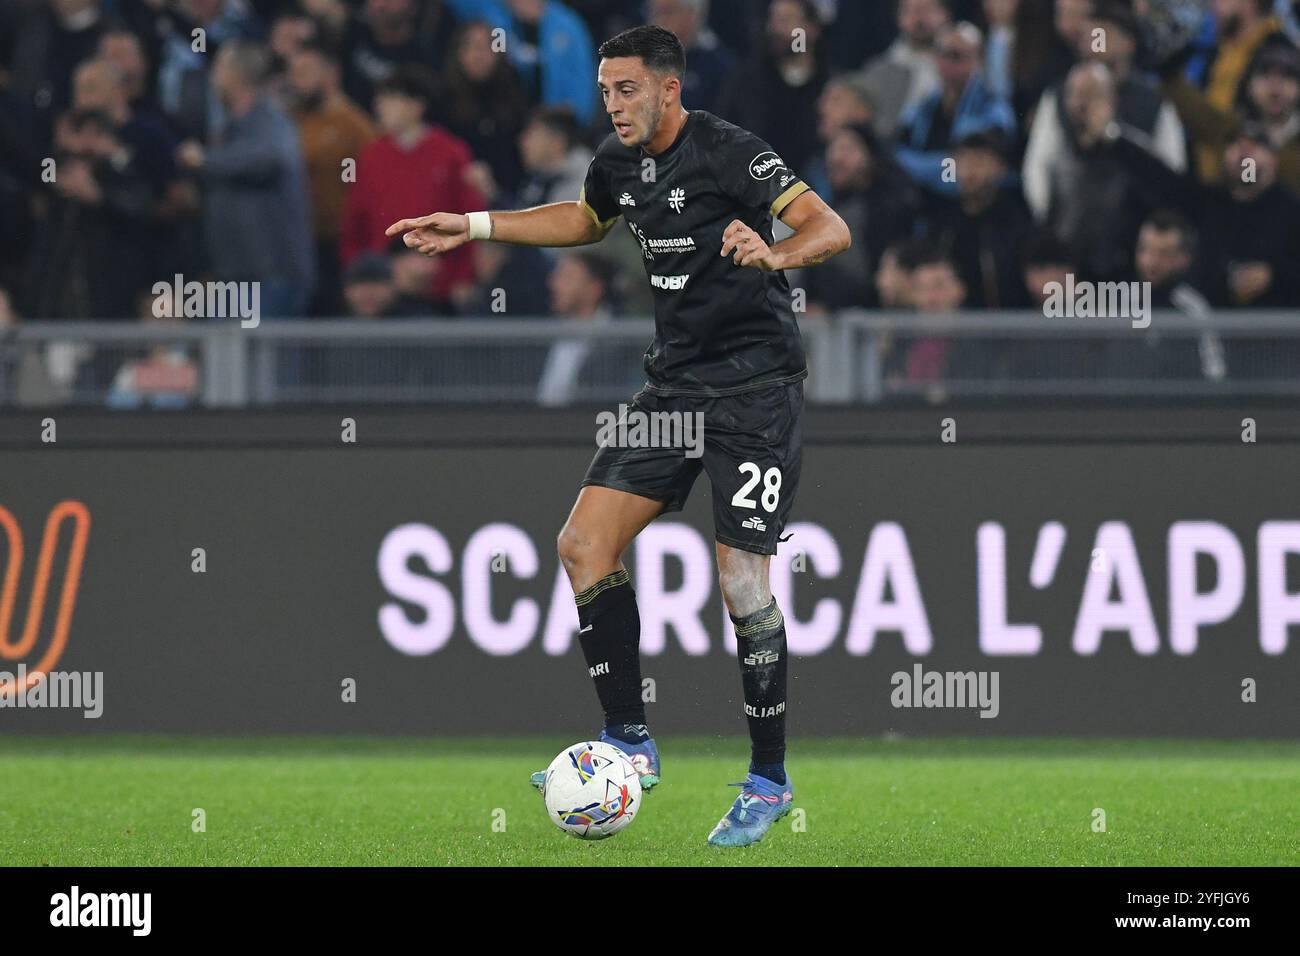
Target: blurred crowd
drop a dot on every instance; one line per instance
(978, 149)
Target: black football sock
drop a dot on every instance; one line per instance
(610, 636)
(760, 646)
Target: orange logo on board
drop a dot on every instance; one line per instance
(12, 650)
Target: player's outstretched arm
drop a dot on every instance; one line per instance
(557, 224)
(819, 234)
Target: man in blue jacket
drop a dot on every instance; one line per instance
(930, 130)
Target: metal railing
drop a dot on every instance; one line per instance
(855, 357)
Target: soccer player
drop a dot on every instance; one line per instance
(700, 195)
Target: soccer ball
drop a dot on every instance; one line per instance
(592, 790)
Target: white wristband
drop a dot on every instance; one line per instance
(480, 225)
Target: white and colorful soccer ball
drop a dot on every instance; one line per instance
(592, 790)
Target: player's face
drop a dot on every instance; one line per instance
(634, 98)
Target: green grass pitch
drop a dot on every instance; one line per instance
(327, 801)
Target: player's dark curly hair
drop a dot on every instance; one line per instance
(658, 48)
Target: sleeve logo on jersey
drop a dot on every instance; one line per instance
(764, 165)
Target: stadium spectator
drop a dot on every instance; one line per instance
(549, 46)
(508, 280)
(368, 288)
(907, 73)
(185, 90)
(24, 378)
(1270, 96)
(92, 248)
(1242, 27)
(334, 132)
(875, 199)
(45, 50)
(126, 51)
(581, 286)
(555, 161)
(371, 294)
(845, 101)
(166, 375)
(1047, 264)
(414, 275)
(10, 353)
(385, 36)
(1254, 242)
(1091, 194)
(1070, 21)
(708, 63)
(963, 105)
(290, 32)
(99, 86)
(480, 100)
(414, 165)
(1023, 52)
(920, 363)
(1165, 255)
(775, 95)
(1139, 104)
(257, 209)
(985, 225)
(179, 205)
(893, 277)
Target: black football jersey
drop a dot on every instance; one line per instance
(720, 328)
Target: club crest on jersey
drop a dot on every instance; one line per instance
(676, 200)
(764, 165)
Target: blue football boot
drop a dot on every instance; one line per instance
(761, 803)
(643, 756)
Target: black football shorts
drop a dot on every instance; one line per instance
(752, 450)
